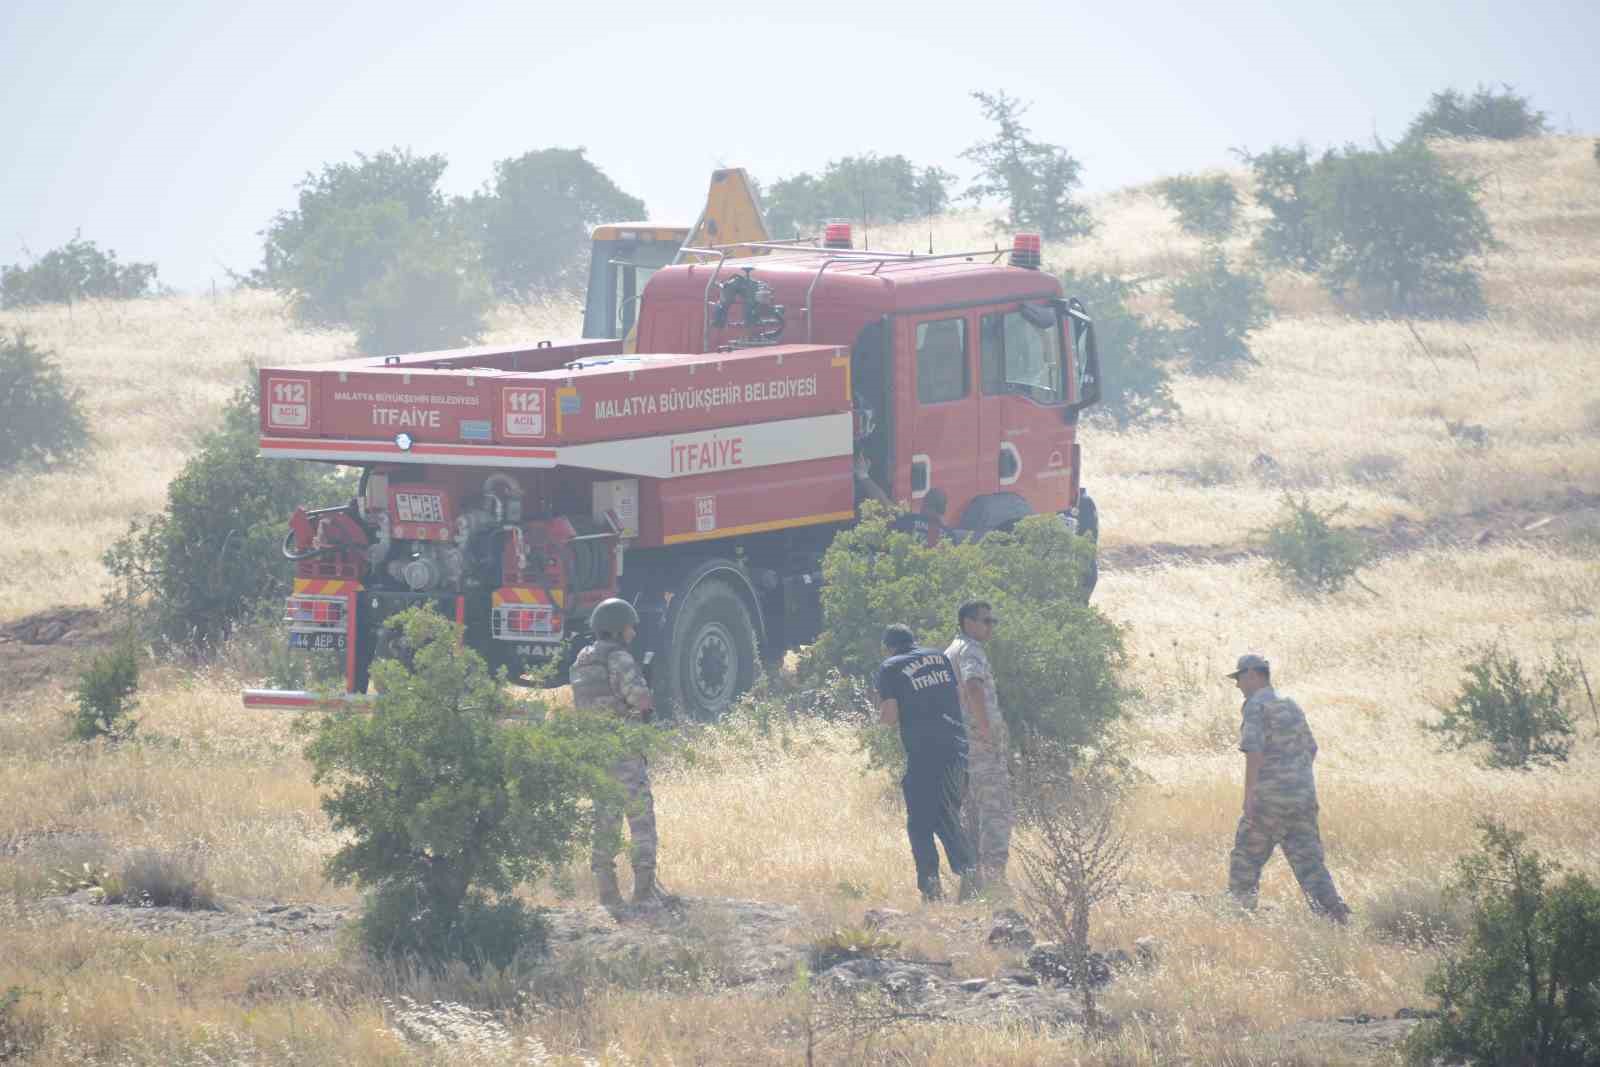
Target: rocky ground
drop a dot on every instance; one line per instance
(718, 944)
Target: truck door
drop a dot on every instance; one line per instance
(939, 426)
(1024, 444)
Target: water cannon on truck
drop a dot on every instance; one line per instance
(700, 477)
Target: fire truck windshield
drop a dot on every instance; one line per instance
(1022, 354)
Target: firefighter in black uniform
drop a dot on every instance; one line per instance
(917, 691)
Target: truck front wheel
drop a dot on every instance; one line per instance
(711, 657)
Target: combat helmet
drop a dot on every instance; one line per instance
(610, 616)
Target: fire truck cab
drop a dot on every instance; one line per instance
(775, 387)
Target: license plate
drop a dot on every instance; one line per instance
(318, 642)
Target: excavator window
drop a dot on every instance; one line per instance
(618, 271)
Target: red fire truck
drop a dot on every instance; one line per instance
(702, 476)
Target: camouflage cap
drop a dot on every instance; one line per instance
(1251, 661)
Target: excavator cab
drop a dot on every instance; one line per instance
(625, 254)
(623, 257)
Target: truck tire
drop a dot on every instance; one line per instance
(711, 654)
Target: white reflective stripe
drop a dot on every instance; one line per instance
(761, 444)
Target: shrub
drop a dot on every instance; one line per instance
(430, 295)
(1222, 307)
(533, 219)
(1134, 351)
(1521, 719)
(1417, 913)
(1525, 988)
(1486, 114)
(214, 554)
(78, 270)
(349, 224)
(155, 879)
(1307, 550)
(1206, 207)
(1056, 660)
(1397, 231)
(447, 810)
(869, 188)
(19, 1034)
(1282, 180)
(1036, 180)
(105, 694)
(41, 416)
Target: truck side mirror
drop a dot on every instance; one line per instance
(1088, 359)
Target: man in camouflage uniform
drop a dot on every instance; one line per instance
(605, 678)
(988, 776)
(1280, 794)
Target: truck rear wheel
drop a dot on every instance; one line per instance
(711, 657)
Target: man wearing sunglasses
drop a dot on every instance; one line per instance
(988, 744)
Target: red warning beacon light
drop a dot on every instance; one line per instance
(837, 235)
(1025, 251)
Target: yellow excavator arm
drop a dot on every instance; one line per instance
(732, 214)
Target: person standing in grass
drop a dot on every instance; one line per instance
(917, 692)
(605, 678)
(988, 775)
(1280, 795)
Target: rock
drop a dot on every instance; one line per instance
(1148, 951)
(1026, 978)
(876, 917)
(1051, 962)
(1010, 930)
(973, 985)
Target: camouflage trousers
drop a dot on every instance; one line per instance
(987, 813)
(633, 775)
(1296, 831)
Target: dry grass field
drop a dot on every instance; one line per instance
(794, 817)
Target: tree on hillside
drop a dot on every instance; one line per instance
(1036, 180)
(1282, 175)
(42, 422)
(1485, 115)
(533, 220)
(347, 227)
(1388, 230)
(432, 294)
(869, 188)
(78, 270)
(1398, 231)
(1206, 207)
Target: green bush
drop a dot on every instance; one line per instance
(350, 223)
(41, 417)
(1309, 551)
(1521, 719)
(1221, 308)
(215, 554)
(1282, 176)
(78, 270)
(1525, 987)
(1036, 180)
(1056, 660)
(105, 694)
(1135, 352)
(868, 188)
(534, 218)
(1485, 115)
(1388, 230)
(431, 295)
(1399, 231)
(1206, 207)
(447, 809)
